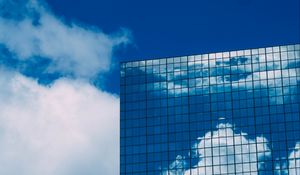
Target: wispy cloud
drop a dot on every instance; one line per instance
(82, 51)
(229, 74)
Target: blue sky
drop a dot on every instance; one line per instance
(171, 28)
(59, 68)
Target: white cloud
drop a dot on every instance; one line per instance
(224, 151)
(68, 128)
(75, 49)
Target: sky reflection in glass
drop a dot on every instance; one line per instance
(221, 113)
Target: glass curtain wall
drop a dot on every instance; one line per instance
(235, 112)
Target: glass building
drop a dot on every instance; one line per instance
(235, 112)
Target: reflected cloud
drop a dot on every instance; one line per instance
(224, 151)
(294, 160)
(257, 91)
(274, 72)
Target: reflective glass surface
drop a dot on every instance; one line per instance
(234, 112)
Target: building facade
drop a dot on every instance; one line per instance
(235, 112)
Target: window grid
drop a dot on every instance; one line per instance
(238, 111)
